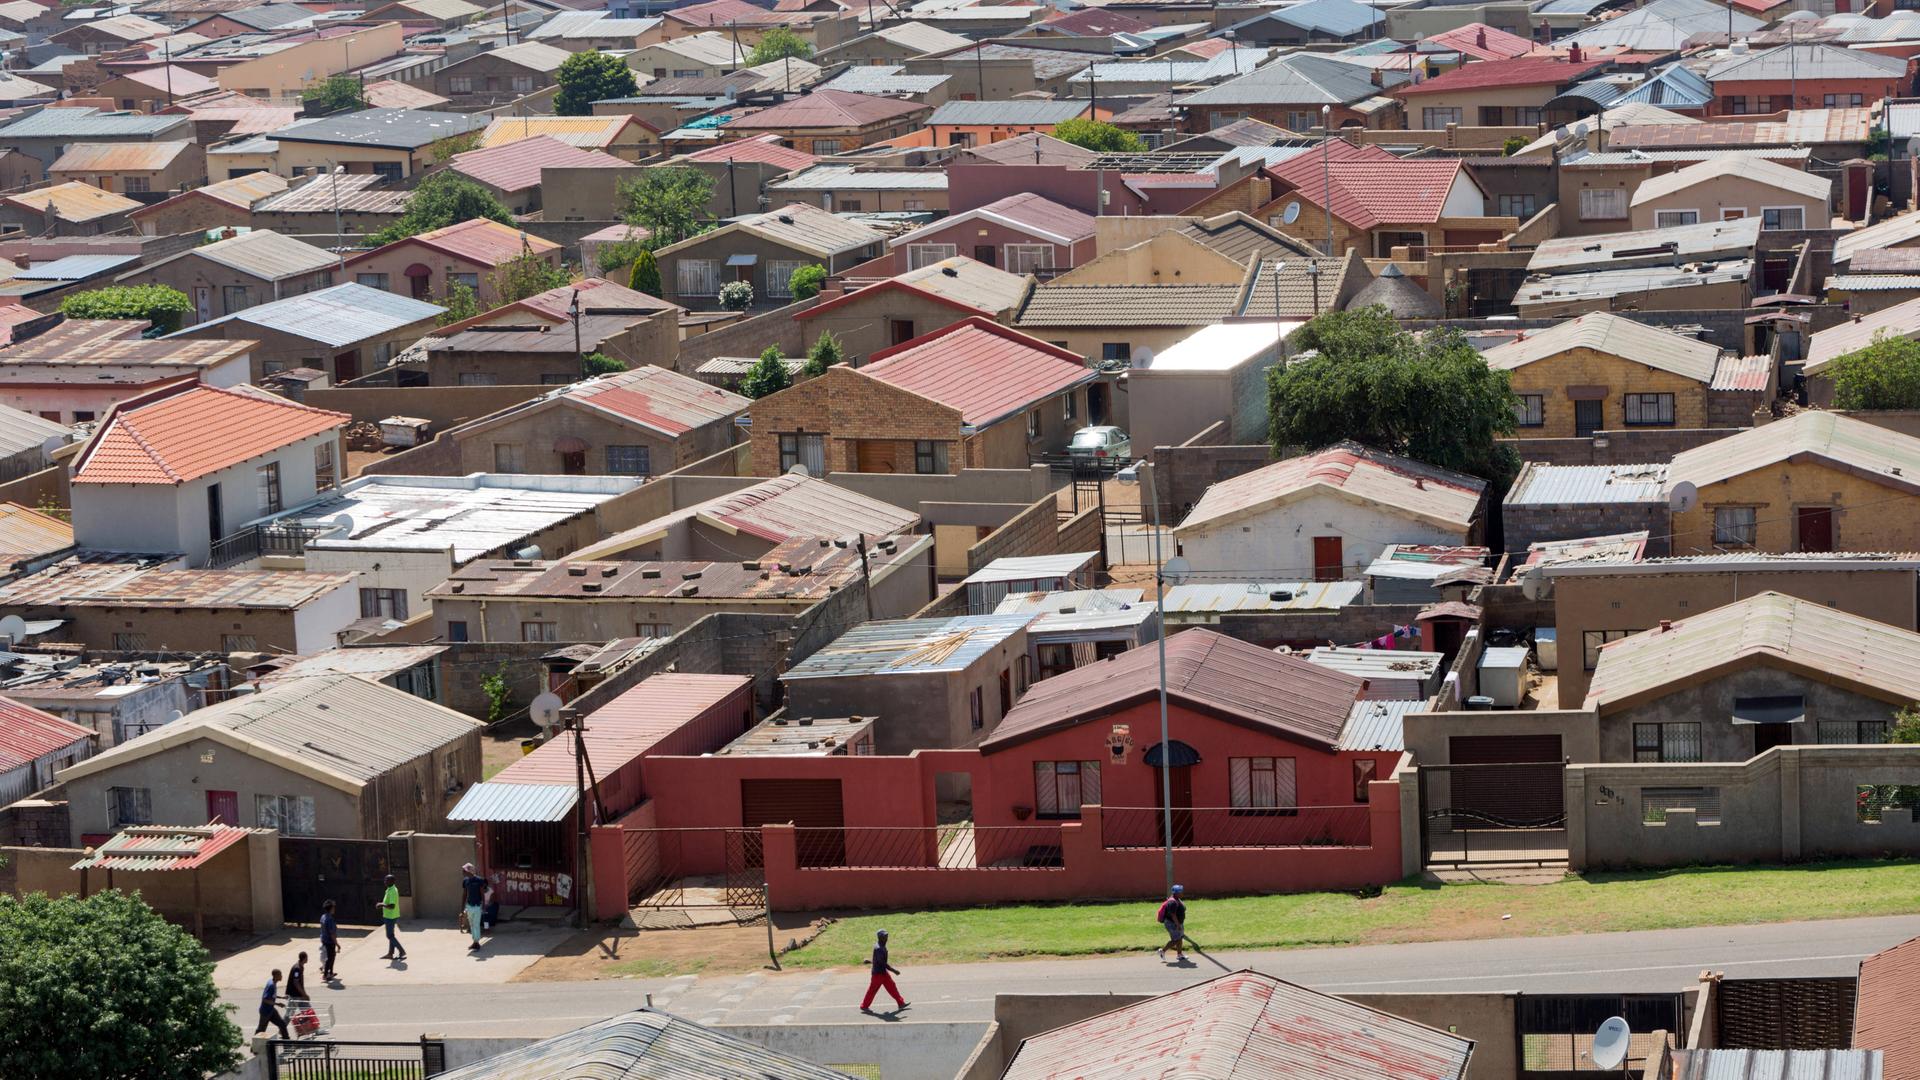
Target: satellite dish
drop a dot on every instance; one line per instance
(176, 715)
(545, 710)
(1142, 357)
(343, 523)
(1534, 583)
(1610, 1043)
(14, 629)
(54, 442)
(1683, 497)
(1580, 131)
(798, 470)
(1291, 214)
(1175, 570)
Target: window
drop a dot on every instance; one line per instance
(1602, 204)
(1649, 410)
(929, 456)
(1363, 774)
(1783, 217)
(1703, 801)
(1026, 258)
(1061, 788)
(1116, 352)
(383, 603)
(539, 631)
(1871, 802)
(523, 84)
(1006, 692)
(1261, 783)
(652, 629)
(130, 806)
(471, 281)
(292, 815)
(82, 416)
(976, 710)
(1531, 411)
(1033, 424)
(233, 298)
(780, 276)
(1733, 526)
(456, 630)
(460, 84)
(1525, 116)
(477, 378)
(1520, 206)
(1666, 742)
(1591, 640)
(1835, 101)
(1069, 409)
(823, 147)
(129, 641)
(1737, 106)
(233, 643)
(919, 255)
(372, 281)
(388, 170)
(1434, 119)
(1847, 732)
(323, 475)
(629, 461)
(696, 277)
(509, 457)
(1667, 219)
(267, 484)
(807, 450)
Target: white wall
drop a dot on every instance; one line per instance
(1464, 199)
(414, 570)
(128, 517)
(317, 626)
(1278, 545)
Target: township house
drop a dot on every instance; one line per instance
(389, 143)
(1782, 198)
(33, 746)
(1805, 76)
(514, 171)
(470, 253)
(750, 522)
(624, 137)
(132, 168)
(763, 250)
(898, 309)
(629, 326)
(1023, 234)
(78, 370)
(69, 209)
(499, 75)
(229, 276)
(1290, 92)
(1379, 201)
(225, 203)
(825, 122)
(345, 330)
(974, 394)
(1517, 92)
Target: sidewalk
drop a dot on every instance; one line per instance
(436, 955)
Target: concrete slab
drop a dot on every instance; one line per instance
(436, 955)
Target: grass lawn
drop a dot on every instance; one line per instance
(1594, 903)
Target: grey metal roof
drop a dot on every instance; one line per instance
(1215, 597)
(1378, 663)
(645, 1044)
(1815, 61)
(1874, 282)
(1567, 485)
(1028, 567)
(336, 316)
(265, 254)
(1638, 157)
(910, 646)
(1295, 79)
(20, 431)
(849, 178)
(491, 800)
(1338, 17)
(1777, 1065)
(75, 267)
(1008, 112)
(590, 24)
(1378, 725)
(90, 123)
(401, 128)
(883, 79)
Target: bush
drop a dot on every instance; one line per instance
(1099, 136)
(616, 260)
(806, 281)
(1512, 146)
(443, 199)
(646, 275)
(736, 296)
(460, 303)
(1884, 375)
(825, 353)
(158, 304)
(587, 77)
(527, 275)
(767, 376)
(778, 44)
(601, 364)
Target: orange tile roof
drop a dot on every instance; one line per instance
(478, 240)
(175, 435)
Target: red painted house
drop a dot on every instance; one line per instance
(1805, 76)
(1023, 234)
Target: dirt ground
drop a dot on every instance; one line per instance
(610, 953)
(500, 747)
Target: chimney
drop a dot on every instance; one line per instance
(1573, 52)
(1666, 625)
(1480, 37)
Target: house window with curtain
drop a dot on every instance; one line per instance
(1262, 784)
(1061, 788)
(1735, 526)
(929, 456)
(1434, 119)
(290, 815)
(1027, 258)
(323, 474)
(1849, 732)
(1666, 742)
(539, 631)
(509, 457)
(1649, 410)
(130, 806)
(1531, 411)
(1668, 219)
(696, 277)
(807, 450)
(630, 460)
(1520, 206)
(383, 603)
(267, 482)
(780, 277)
(919, 255)
(1776, 218)
(1603, 204)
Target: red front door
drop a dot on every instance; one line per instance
(1178, 796)
(1328, 558)
(223, 808)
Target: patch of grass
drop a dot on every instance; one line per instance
(492, 768)
(1409, 911)
(660, 967)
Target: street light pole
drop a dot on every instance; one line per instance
(1326, 175)
(1131, 476)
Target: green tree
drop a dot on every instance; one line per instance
(499, 693)
(599, 363)
(442, 199)
(335, 93)
(767, 376)
(1512, 146)
(806, 281)
(778, 44)
(460, 302)
(616, 260)
(527, 274)
(1884, 375)
(669, 201)
(105, 988)
(443, 150)
(825, 353)
(158, 304)
(646, 275)
(587, 77)
(1427, 396)
(1098, 135)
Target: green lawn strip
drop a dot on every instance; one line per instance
(1594, 903)
(655, 967)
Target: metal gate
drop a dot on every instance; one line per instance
(1555, 1031)
(331, 1060)
(1784, 1014)
(671, 869)
(1504, 812)
(351, 873)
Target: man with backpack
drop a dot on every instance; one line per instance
(1173, 916)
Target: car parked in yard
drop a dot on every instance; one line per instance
(1101, 441)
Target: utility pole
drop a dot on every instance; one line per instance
(339, 229)
(866, 575)
(979, 72)
(575, 724)
(1326, 177)
(579, 353)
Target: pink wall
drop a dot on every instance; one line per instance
(969, 186)
(966, 235)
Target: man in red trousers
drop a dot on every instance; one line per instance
(883, 974)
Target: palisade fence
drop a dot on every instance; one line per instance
(1123, 827)
(941, 847)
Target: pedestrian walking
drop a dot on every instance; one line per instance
(297, 980)
(269, 1009)
(1173, 916)
(390, 915)
(475, 892)
(882, 979)
(329, 941)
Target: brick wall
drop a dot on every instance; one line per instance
(1033, 531)
(1181, 474)
(466, 663)
(844, 406)
(750, 337)
(1533, 523)
(1082, 532)
(1634, 446)
(35, 823)
(1347, 626)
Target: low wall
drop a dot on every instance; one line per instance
(433, 865)
(236, 890)
(48, 487)
(444, 406)
(1181, 474)
(750, 337)
(35, 823)
(1033, 531)
(1628, 446)
(1346, 626)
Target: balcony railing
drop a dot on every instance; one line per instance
(255, 541)
(234, 548)
(1238, 827)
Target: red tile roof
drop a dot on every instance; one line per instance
(987, 371)
(1482, 42)
(516, 166)
(765, 148)
(1094, 22)
(827, 109)
(1886, 1013)
(1519, 71)
(659, 398)
(26, 733)
(184, 431)
(478, 240)
(1242, 683)
(1369, 186)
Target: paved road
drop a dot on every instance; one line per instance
(1641, 961)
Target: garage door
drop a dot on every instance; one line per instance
(1528, 791)
(812, 806)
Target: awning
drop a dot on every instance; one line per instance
(569, 444)
(1778, 709)
(742, 260)
(1181, 753)
(495, 801)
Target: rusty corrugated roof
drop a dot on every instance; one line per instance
(1886, 1012)
(26, 733)
(117, 157)
(28, 534)
(784, 508)
(74, 201)
(478, 240)
(162, 847)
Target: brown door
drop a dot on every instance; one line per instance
(346, 366)
(574, 463)
(983, 253)
(873, 455)
(1329, 561)
(1816, 528)
(1768, 736)
(1587, 417)
(814, 808)
(223, 808)
(1178, 794)
(901, 331)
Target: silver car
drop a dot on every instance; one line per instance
(1101, 441)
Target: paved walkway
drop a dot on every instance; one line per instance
(437, 956)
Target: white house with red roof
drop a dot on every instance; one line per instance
(179, 468)
(1327, 515)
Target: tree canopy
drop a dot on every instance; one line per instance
(1884, 375)
(460, 302)
(1426, 396)
(825, 353)
(442, 199)
(778, 44)
(587, 77)
(161, 305)
(1099, 136)
(805, 282)
(767, 376)
(669, 201)
(103, 987)
(599, 363)
(335, 93)
(527, 274)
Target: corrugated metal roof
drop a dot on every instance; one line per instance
(73, 201)
(1378, 725)
(27, 734)
(1884, 456)
(493, 800)
(960, 281)
(799, 570)
(766, 148)
(786, 507)
(579, 25)
(801, 226)
(193, 432)
(1777, 1065)
(658, 398)
(472, 514)
(1020, 112)
(909, 646)
(1613, 335)
(374, 662)
(1340, 18)
(1873, 282)
(1751, 374)
(1400, 486)
(640, 1045)
(1886, 1011)
(515, 166)
(1029, 567)
(267, 255)
(82, 123)
(1770, 629)
(336, 316)
(985, 371)
(28, 534)
(660, 713)
(1246, 1025)
(405, 129)
(832, 109)
(239, 191)
(1294, 79)
(1901, 320)
(1618, 548)
(21, 431)
(162, 847)
(1065, 305)
(117, 157)
(1759, 171)
(478, 240)
(883, 79)
(75, 267)
(1541, 484)
(859, 178)
(1378, 663)
(360, 193)
(1213, 598)
(1817, 60)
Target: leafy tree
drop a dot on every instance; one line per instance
(158, 304)
(1884, 375)
(825, 353)
(599, 363)
(1429, 396)
(736, 296)
(460, 303)
(1098, 135)
(617, 259)
(104, 987)
(668, 201)
(767, 376)
(442, 200)
(807, 280)
(1905, 727)
(646, 275)
(587, 77)
(527, 274)
(1512, 146)
(443, 150)
(335, 93)
(778, 44)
